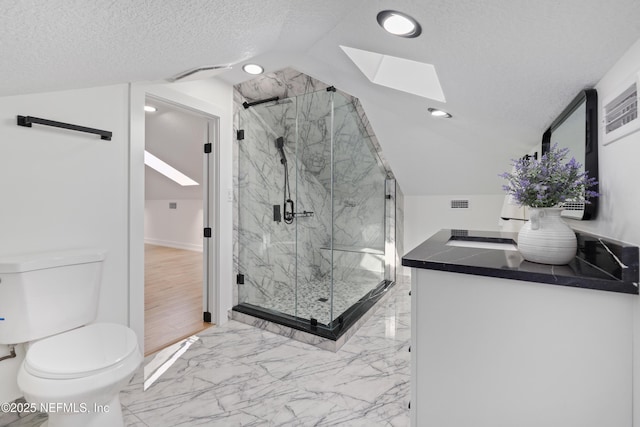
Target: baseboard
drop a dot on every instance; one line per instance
(175, 245)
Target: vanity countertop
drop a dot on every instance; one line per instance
(601, 264)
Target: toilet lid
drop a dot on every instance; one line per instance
(81, 352)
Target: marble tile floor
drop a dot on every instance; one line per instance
(238, 375)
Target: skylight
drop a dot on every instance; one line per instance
(167, 170)
(409, 76)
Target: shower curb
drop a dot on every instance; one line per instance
(311, 339)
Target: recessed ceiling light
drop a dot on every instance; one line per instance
(150, 109)
(399, 24)
(439, 113)
(254, 69)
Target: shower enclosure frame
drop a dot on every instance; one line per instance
(338, 323)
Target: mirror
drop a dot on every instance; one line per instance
(576, 128)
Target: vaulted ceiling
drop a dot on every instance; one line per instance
(507, 67)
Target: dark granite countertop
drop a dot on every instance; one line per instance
(601, 264)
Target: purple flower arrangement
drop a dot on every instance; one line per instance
(550, 181)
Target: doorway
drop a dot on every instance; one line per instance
(176, 215)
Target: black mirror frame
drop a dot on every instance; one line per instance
(590, 161)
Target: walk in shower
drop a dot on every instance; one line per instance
(315, 217)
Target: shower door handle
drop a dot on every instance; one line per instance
(303, 214)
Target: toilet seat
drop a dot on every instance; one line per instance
(81, 352)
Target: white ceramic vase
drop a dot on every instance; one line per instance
(546, 238)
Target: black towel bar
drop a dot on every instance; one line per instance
(27, 121)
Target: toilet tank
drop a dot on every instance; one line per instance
(43, 294)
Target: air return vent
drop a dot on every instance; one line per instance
(459, 204)
(200, 73)
(620, 112)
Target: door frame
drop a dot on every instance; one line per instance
(212, 298)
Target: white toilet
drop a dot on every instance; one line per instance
(73, 369)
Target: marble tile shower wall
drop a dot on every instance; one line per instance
(285, 83)
(313, 158)
(265, 250)
(289, 83)
(358, 187)
(359, 184)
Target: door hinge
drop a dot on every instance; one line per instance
(206, 317)
(240, 279)
(207, 148)
(240, 135)
(207, 232)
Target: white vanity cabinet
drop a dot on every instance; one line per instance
(499, 352)
(489, 352)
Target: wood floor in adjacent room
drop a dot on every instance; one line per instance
(172, 296)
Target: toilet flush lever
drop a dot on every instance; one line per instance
(12, 353)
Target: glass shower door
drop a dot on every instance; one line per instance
(266, 243)
(359, 196)
(313, 206)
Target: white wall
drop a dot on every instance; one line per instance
(619, 210)
(425, 215)
(65, 189)
(179, 228)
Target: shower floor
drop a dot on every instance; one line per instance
(314, 298)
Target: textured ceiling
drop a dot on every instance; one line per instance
(507, 67)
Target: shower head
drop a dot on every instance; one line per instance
(280, 148)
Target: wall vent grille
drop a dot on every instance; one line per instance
(622, 110)
(459, 204)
